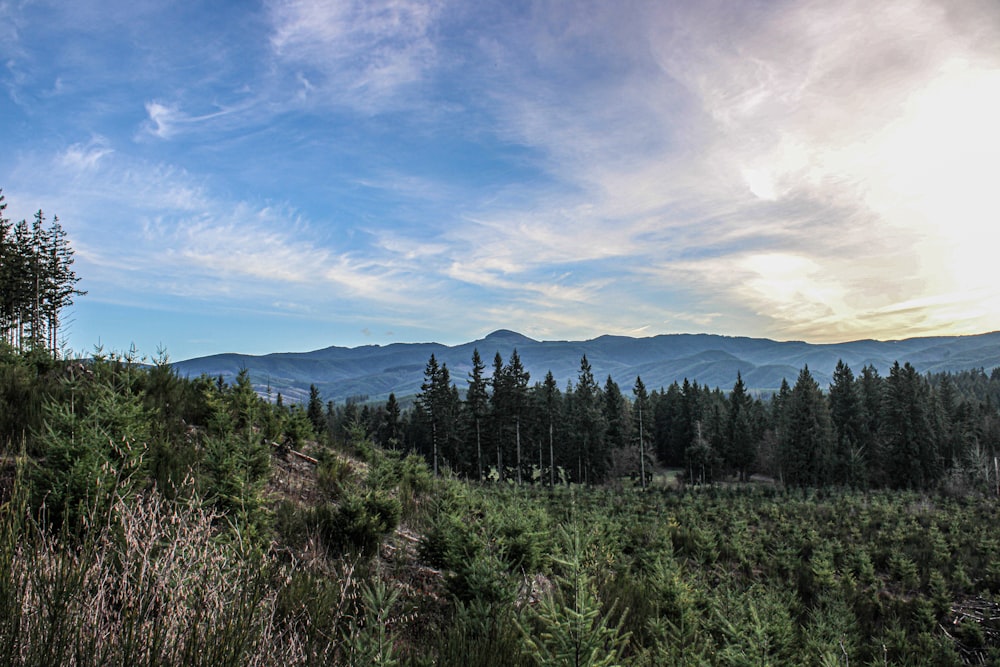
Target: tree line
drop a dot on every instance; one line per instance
(37, 281)
(904, 430)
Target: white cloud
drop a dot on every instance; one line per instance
(166, 121)
(162, 119)
(84, 157)
(365, 50)
(833, 161)
(139, 227)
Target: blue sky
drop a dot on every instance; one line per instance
(291, 174)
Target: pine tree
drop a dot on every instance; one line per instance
(807, 443)
(846, 415)
(498, 406)
(314, 410)
(476, 404)
(430, 400)
(8, 275)
(910, 450)
(550, 398)
(509, 401)
(640, 406)
(36, 281)
(393, 423)
(871, 392)
(615, 413)
(668, 436)
(517, 387)
(690, 432)
(570, 627)
(740, 438)
(589, 427)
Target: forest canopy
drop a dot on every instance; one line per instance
(37, 281)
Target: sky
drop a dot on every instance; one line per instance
(286, 175)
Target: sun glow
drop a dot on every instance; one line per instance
(939, 164)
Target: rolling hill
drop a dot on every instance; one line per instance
(373, 371)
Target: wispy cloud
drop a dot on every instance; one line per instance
(169, 233)
(357, 53)
(85, 157)
(809, 137)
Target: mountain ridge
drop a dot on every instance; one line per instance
(374, 371)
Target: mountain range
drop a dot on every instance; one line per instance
(371, 372)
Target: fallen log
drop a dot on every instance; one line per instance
(304, 457)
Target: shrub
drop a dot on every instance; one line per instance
(358, 524)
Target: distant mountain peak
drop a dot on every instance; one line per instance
(713, 361)
(508, 336)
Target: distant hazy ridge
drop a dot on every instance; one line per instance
(377, 370)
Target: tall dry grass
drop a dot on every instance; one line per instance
(156, 584)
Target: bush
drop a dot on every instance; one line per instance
(358, 524)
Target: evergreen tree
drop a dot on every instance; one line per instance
(910, 450)
(668, 435)
(846, 415)
(550, 400)
(498, 406)
(393, 423)
(516, 390)
(807, 441)
(8, 275)
(871, 390)
(615, 412)
(589, 427)
(740, 439)
(36, 281)
(640, 408)
(439, 402)
(690, 432)
(950, 423)
(570, 626)
(477, 404)
(509, 401)
(314, 411)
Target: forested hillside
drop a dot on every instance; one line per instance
(904, 430)
(375, 371)
(151, 518)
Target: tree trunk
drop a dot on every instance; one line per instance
(434, 439)
(552, 460)
(479, 451)
(642, 451)
(517, 428)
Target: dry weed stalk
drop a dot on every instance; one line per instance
(158, 585)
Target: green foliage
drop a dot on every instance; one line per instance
(485, 544)
(357, 524)
(369, 641)
(569, 627)
(36, 282)
(807, 442)
(477, 634)
(755, 627)
(408, 477)
(93, 449)
(334, 475)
